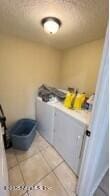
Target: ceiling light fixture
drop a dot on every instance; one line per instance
(51, 24)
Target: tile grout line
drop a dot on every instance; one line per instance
(51, 169)
(23, 181)
(18, 164)
(63, 161)
(19, 169)
(21, 175)
(40, 150)
(103, 190)
(28, 157)
(32, 154)
(7, 159)
(59, 163)
(24, 194)
(61, 183)
(12, 167)
(49, 165)
(41, 179)
(55, 174)
(71, 171)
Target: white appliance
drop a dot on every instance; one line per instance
(64, 129)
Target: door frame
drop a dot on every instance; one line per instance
(93, 168)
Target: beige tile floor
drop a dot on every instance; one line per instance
(41, 166)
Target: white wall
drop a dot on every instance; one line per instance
(80, 66)
(24, 66)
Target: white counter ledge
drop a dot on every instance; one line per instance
(80, 115)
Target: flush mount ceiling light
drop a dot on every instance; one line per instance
(51, 24)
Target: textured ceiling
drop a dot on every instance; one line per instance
(82, 20)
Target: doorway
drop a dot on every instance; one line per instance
(95, 160)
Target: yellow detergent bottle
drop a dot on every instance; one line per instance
(69, 99)
(79, 100)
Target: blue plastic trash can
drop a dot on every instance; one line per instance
(22, 133)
